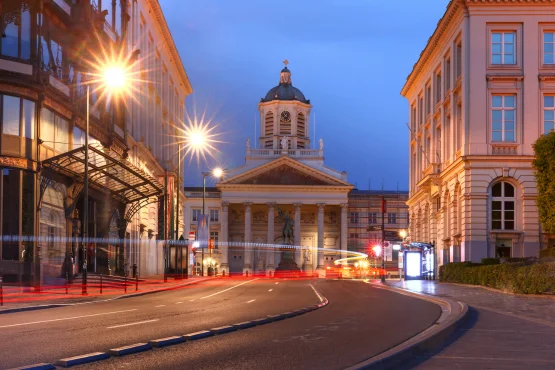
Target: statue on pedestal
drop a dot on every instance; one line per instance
(287, 265)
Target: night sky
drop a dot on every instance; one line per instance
(349, 57)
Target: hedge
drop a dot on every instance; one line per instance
(546, 253)
(509, 277)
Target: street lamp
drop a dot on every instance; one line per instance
(216, 173)
(114, 78)
(403, 234)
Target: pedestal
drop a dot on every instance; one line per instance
(287, 266)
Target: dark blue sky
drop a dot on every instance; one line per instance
(349, 57)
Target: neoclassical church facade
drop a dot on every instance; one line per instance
(283, 176)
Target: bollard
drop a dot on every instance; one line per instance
(100, 283)
(67, 282)
(1, 291)
(137, 282)
(125, 283)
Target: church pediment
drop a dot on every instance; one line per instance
(285, 172)
(283, 175)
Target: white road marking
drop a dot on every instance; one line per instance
(252, 300)
(178, 302)
(277, 283)
(317, 294)
(65, 318)
(225, 290)
(269, 290)
(192, 300)
(133, 323)
(160, 305)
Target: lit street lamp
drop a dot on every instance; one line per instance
(113, 78)
(216, 173)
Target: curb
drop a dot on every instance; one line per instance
(156, 343)
(130, 295)
(36, 367)
(452, 316)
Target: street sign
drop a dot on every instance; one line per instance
(191, 235)
(391, 235)
(374, 228)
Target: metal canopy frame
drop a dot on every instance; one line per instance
(108, 172)
(421, 245)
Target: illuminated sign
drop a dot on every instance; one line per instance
(396, 247)
(413, 264)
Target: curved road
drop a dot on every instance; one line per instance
(360, 321)
(49, 335)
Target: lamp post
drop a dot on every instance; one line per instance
(114, 78)
(216, 173)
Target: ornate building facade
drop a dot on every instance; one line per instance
(282, 178)
(479, 96)
(47, 50)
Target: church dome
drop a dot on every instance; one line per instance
(285, 89)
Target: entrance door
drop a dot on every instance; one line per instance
(503, 248)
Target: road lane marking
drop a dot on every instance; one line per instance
(252, 300)
(269, 290)
(66, 318)
(178, 302)
(160, 305)
(317, 294)
(192, 300)
(277, 283)
(225, 290)
(133, 323)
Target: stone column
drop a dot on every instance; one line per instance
(247, 259)
(270, 267)
(297, 235)
(343, 245)
(320, 235)
(223, 239)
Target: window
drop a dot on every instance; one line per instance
(215, 235)
(354, 217)
(438, 204)
(78, 137)
(503, 117)
(548, 114)
(420, 110)
(353, 236)
(196, 214)
(429, 99)
(372, 218)
(392, 218)
(16, 39)
(413, 118)
(437, 88)
(503, 48)
(548, 50)
(447, 79)
(214, 215)
(458, 55)
(54, 131)
(18, 117)
(301, 125)
(503, 206)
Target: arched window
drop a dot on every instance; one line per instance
(269, 124)
(503, 206)
(301, 125)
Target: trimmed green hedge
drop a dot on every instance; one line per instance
(549, 252)
(509, 277)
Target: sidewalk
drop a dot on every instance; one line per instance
(16, 298)
(536, 308)
(502, 331)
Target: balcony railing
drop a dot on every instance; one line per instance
(274, 153)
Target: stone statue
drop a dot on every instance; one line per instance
(307, 255)
(287, 232)
(321, 141)
(284, 143)
(248, 143)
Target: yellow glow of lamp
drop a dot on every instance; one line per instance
(402, 234)
(217, 172)
(115, 78)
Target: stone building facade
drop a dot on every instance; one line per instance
(47, 50)
(284, 174)
(479, 96)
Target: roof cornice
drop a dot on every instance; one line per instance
(452, 8)
(159, 16)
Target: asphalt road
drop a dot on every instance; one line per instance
(360, 321)
(49, 335)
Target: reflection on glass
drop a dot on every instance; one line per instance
(10, 212)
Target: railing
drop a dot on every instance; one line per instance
(269, 153)
(504, 149)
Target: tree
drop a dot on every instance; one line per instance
(544, 171)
